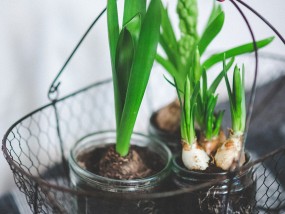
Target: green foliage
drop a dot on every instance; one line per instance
(237, 100)
(132, 51)
(188, 106)
(236, 51)
(208, 120)
(182, 62)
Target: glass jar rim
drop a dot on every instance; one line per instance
(88, 176)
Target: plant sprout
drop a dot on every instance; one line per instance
(183, 61)
(231, 150)
(200, 101)
(132, 51)
(193, 155)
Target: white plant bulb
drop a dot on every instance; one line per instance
(229, 153)
(194, 157)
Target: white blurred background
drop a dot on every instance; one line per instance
(36, 37)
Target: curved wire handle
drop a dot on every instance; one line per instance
(253, 89)
(53, 92)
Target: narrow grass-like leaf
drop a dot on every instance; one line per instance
(219, 78)
(142, 64)
(167, 29)
(246, 48)
(204, 85)
(228, 89)
(170, 52)
(212, 30)
(167, 65)
(187, 106)
(196, 69)
(216, 9)
(218, 123)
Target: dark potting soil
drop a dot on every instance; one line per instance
(211, 169)
(139, 163)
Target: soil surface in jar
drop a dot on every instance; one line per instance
(212, 168)
(104, 161)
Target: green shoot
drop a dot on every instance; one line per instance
(188, 108)
(237, 100)
(132, 51)
(208, 120)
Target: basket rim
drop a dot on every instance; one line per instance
(45, 186)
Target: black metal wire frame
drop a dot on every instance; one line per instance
(44, 186)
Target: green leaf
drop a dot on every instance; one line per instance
(196, 69)
(124, 59)
(171, 53)
(132, 8)
(212, 30)
(134, 26)
(216, 9)
(113, 34)
(246, 48)
(142, 64)
(167, 29)
(231, 100)
(219, 78)
(169, 67)
(218, 123)
(187, 107)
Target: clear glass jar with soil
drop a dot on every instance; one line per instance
(213, 197)
(111, 192)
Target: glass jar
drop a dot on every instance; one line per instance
(85, 180)
(214, 196)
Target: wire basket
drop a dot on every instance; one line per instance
(38, 145)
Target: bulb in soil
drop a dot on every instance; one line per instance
(229, 153)
(194, 157)
(211, 146)
(168, 118)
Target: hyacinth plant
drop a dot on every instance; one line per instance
(231, 151)
(180, 53)
(133, 50)
(182, 60)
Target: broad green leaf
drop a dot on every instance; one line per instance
(246, 48)
(212, 30)
(142, 64)
(124, 59)
(132, 8)
(113, 34)
(134, 26)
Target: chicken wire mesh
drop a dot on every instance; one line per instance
(37, 148)
(38, 145)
